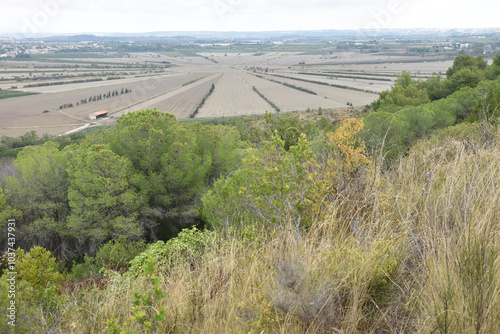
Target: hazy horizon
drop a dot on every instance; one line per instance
(107, 17)
(173, 32)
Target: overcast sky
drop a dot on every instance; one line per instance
(77, 16)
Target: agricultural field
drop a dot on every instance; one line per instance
(177, 82)
(289, 99)
(344, 80)
(43, 114)
(339, 95)
(233, 97)
(183, 101)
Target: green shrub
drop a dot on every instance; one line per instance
(324, 124)
(87, 269)
(117, 254)
(277, 185)
(27, 313)
(37, 268)
(38, 297)
(147, 314)
(187, 246)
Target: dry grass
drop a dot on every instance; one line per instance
(448, 197)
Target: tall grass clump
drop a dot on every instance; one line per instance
(446, 193)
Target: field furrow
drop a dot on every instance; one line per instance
(286, 98)
(183, 101)
(232, 97)
(339, 95)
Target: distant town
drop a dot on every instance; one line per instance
(476, 42)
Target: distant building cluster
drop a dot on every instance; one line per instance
(12, 48)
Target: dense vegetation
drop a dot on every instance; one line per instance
(413, 108)
(386, 222)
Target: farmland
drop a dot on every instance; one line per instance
(176, 82)
(232, 96)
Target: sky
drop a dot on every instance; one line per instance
(105, 16)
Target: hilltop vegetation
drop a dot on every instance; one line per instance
(385, 222)
(406, 113)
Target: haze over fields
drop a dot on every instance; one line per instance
(178, 84)
(66, 16)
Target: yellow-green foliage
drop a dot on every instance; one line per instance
(6, 211)
(276, 185)
(37, 268)
(39, 306)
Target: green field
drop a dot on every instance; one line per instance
(4, 94)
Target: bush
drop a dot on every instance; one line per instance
(187, 246)
(38, 268)
(87, 269)
(117, 254)
(324, 124)
(113, 255)
(38, 299)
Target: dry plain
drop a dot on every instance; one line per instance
(178, 84)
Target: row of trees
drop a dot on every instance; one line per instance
(275, 107)
(99, 97)
(202, 102)
(106, 95)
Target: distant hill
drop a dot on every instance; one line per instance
(245, 36)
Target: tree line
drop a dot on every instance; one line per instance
(99, 97)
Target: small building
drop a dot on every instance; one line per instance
(98, 114)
